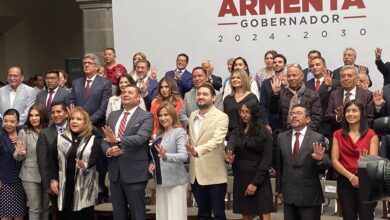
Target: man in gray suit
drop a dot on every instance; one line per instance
(53, 93)
(16, 94)
(126, 145)
(300, 157)
(199, 77)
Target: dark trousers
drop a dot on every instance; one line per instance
(210, 200)
(293, 212)
(83, 214)
(130, 195)
(350, 203)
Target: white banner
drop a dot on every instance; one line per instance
(220, 29)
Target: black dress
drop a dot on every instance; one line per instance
(232, 108)
(251, 165)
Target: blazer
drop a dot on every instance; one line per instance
(268, 118)
(24, 99)
(115, 104)
(46, 147)
(298, 179)
(385, 110)
(185, 83)
(7, 162)
(152, 93)
(336, 99)
(384, 68)
(209, 167)
(190, 105)
(217, 82)
(62, 95)
(336, 74)
(173, 172)
(132, 165)
(96, 102)
(29, 171)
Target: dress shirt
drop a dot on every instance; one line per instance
(301, 136)
(352, 96)
(92, 79)
(12, 95)
(63, 127)
(52, 96)
(198, 123)
(118, 123)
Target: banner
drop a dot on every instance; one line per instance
(220, 29)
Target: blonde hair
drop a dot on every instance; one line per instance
(87, 129)
(171, 112)
(245, 80)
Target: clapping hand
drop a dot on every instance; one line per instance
(229, 156)
(109, 135)
(177, 75)
(161, 152)
(318, 151)
(191, 150)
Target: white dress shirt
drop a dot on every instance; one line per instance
(301, 136)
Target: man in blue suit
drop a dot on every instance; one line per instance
(182, 77)
(147, 85)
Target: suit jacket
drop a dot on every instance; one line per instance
(7, 162)
(305, 73)
(62, 95)
(268, 118)
(152, 93)
(132, 165)
(385, 70)
(336, 74)
(24, 99)
(96, 102)
(185, 83)
(310, 99)
(217, 82)
(46, 147)
(209, 167)
(324, 93)
(190, 105)
(385, 110)
(336, 99)
(298, 179)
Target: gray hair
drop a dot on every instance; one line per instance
(350, 67)
(94, 57)
(351, 49)
(209, 62)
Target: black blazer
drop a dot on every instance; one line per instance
(385, 110)
(298, 179)
(384, 68)
(217, 82)
(268, 118)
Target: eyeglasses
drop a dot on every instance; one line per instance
(292, 114)
(88, 63)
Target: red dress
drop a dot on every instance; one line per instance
(113, 73)
(349, 151)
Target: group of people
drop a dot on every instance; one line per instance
(58, 145)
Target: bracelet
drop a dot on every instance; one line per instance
(350, 179)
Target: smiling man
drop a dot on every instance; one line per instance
(182, 77)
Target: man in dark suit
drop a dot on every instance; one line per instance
(323, 84)
(126, 145)
(384, 68)
(182, 77)
(216, 81)
(283, 99)
(46, 146)
(382, 102)
(348, 91)
(147, 85)
(53, 93)
(301, 155)
(349, 58)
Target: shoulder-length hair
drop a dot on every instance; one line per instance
(175, 95)
(245, 81)
(43, 120)
(171, 112)
(245, 63)
(86, 131)
(363, 128)
(128, 77)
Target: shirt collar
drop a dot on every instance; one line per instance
(92, 78)
(131, 111)
(353, 91)
(301, 132)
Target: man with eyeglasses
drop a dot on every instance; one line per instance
(53, 93)
(283, 98)
(16, 94)
(301, 155)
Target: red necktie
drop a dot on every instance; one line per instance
(296, 146)
(86, 90)
(122, 125)
(50, 99)
(318, 84)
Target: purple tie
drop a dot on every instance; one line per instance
(50, 99)
(86, 90)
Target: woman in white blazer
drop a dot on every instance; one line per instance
(168, 156)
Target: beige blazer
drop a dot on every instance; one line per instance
(209, 167)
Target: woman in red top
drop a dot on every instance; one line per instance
(167, 92)
(353, 141)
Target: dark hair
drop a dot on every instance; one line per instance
(137, 90)
(183, 55)
(55, 71)
(175, 95)
(363, 128)
(65, 77)
(307, 111)
(37, 75)
(320, 58)
(281, 56)
(256, 127)
(12, 111)
(20, 69)
(144, 61)
(245, 63)
(63, 106)
(314, 51)
(272, 52)
(43, 120)
(200, 68)
(128, 77)
(208, 86)
(110, 48)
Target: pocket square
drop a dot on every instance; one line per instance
(136, 125)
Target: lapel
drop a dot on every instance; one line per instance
(132, 120)
(57, 95)
(115, 118)
(82, 88)
(93, 86)
(304, 144)
(192, 127)
(289, 144)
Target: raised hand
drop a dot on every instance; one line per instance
(339, 112)
(275, 85)
(20, 148)
(153, 73)
(378, 53)
(328, 78)
(362, 69)
(161, 152)
(109, 135)
(318, 151)
(229, 156)
(70, 109)
(378, 98)
(363, 153)
(283, 78)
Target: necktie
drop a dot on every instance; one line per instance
(48, 103)
(86, 90)
(122, 125)
(347, 95)
(318, 84)
(296, 146)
